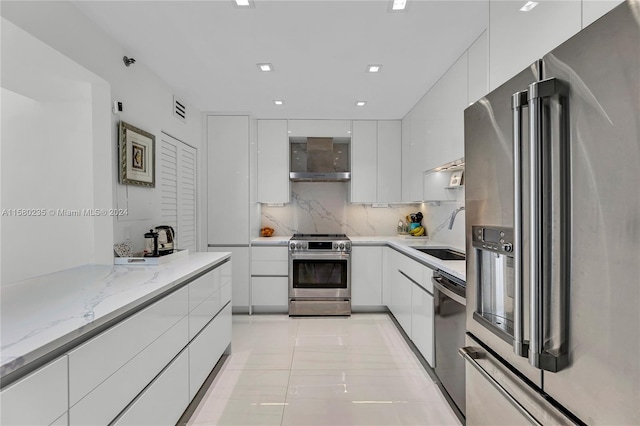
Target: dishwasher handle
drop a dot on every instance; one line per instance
(443, 287)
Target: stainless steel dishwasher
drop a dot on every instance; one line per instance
(450, 318)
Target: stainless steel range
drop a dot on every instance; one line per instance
(319, 274)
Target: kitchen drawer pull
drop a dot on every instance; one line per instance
(470, 354)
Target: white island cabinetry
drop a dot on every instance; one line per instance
(139, 360)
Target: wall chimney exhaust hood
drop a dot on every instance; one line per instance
(319, 159)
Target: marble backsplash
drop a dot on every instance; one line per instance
(323, 207)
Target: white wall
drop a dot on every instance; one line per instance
(147, 100)
(53, 143)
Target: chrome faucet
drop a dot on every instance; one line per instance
(453, 216)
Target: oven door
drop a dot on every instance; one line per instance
(319, 275)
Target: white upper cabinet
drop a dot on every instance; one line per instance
(389, 161)
(320, 128)
(517, 39)
(228, 179)
(273, 162)
(376, 158)
(449, 145)
(364, 161)
(478, 76)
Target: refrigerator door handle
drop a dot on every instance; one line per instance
(540, 222)
(519, 101)
(470, 355)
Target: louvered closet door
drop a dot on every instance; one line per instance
(178, 190)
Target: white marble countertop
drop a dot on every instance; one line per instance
(42, 314)
(457, 268)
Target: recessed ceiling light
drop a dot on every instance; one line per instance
(528, 6)
(374, 68)
(399, 4)
(278, 102)
(265, 67)
(243, 3)
(361, 103)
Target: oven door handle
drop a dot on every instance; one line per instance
(438, 284)
(320, 256)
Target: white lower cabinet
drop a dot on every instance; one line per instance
(366, 276)
(164, 401)
(241, 276)
(401, 302)
(108, 399)
(40, 398)
(270, 278)
(207, 348)
(422, 322)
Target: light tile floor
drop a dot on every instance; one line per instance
(321, 371)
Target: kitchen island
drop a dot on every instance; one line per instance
(105, 338)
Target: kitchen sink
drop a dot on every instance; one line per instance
(442, 253)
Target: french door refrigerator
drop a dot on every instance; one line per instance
(552, 185)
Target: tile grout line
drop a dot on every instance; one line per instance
(293, 354)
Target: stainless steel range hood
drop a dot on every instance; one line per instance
(319, 159)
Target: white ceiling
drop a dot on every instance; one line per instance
(207, 51)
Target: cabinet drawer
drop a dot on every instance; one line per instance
(270, 291)
(38, 399)
(203, 288)
(94, 361)
(418, 272)
(165, 400)
(206, 349)
(104, 403)
(270, 261)
(203, 313)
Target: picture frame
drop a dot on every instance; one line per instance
(137, 156)
(456, 178)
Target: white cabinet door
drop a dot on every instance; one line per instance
(165, 400)
(389, 178)
(417, 149)
(422, 322)
(454, 102)
(366, 276)
(273, 162)
(401, 301)
(364, 161)
(37, 399)
(270, 292)
(478, 76)
(406, 156)
(271, 261)
(206, 349)
(390, 274)
(320, 128)
(240, 272)
(433, 113)
(517, 39)
(228, 179)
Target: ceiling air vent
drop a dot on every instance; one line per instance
(179, 109)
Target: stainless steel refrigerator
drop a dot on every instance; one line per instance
(552, 186)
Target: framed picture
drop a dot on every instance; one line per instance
(456, 178)
(137, 156)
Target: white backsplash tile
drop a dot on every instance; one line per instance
(323, 207)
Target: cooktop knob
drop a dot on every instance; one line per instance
(298, 245)
(292, 246)
(347, 246)
(341, 246)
